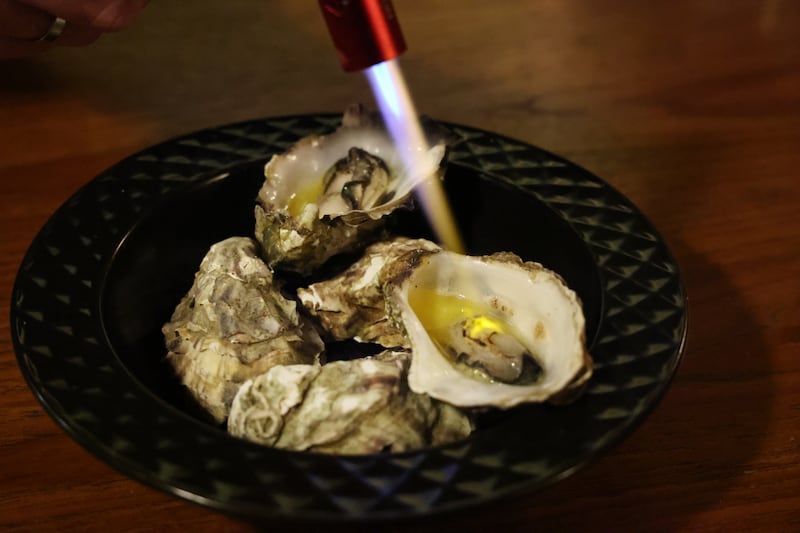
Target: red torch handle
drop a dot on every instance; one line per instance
(364, 32)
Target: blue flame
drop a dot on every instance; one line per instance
(385, 90)
(395, 104)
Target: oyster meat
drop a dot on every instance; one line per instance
(330, 194)
(351, 305)
(359, 406)
(233, 324)
(490, 331)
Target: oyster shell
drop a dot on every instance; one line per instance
(359, 406)
(351, 305)
(329, 194)
(490, 331)
(234, 324)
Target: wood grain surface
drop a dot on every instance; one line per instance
(690, 108)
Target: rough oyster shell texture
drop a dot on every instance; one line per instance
(234, 324)
(348, 407)
(299, 225)
(351, 305)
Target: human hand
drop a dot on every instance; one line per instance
(31, 26)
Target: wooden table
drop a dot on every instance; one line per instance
(691, 109)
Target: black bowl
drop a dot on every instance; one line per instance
(109, 267)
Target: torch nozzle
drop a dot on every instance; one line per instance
(364, 32)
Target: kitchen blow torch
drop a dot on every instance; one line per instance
(367, 36)
(364, 32)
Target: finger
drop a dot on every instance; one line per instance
(20, 22)
(102, 15)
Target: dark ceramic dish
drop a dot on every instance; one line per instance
(108, 268)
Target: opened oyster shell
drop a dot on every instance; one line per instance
(328, 194)
(234, 324)
(490, 331)
(351, 305)
(351, 407)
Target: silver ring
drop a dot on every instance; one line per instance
(54, 31)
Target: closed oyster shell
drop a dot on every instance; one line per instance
(521, 301)
(360, 406)
(297, 224)
(351, 305)
(234, 324)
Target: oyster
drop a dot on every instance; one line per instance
(234, 324)
(351, 305)
(359, 406)
(490, 331)
(329, 194)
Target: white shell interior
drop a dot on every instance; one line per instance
(311, 158)
(526, 297)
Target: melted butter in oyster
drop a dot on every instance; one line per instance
(535, 307)
(356, 182)
(475, 337)
(304, 196)
(331, 194)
